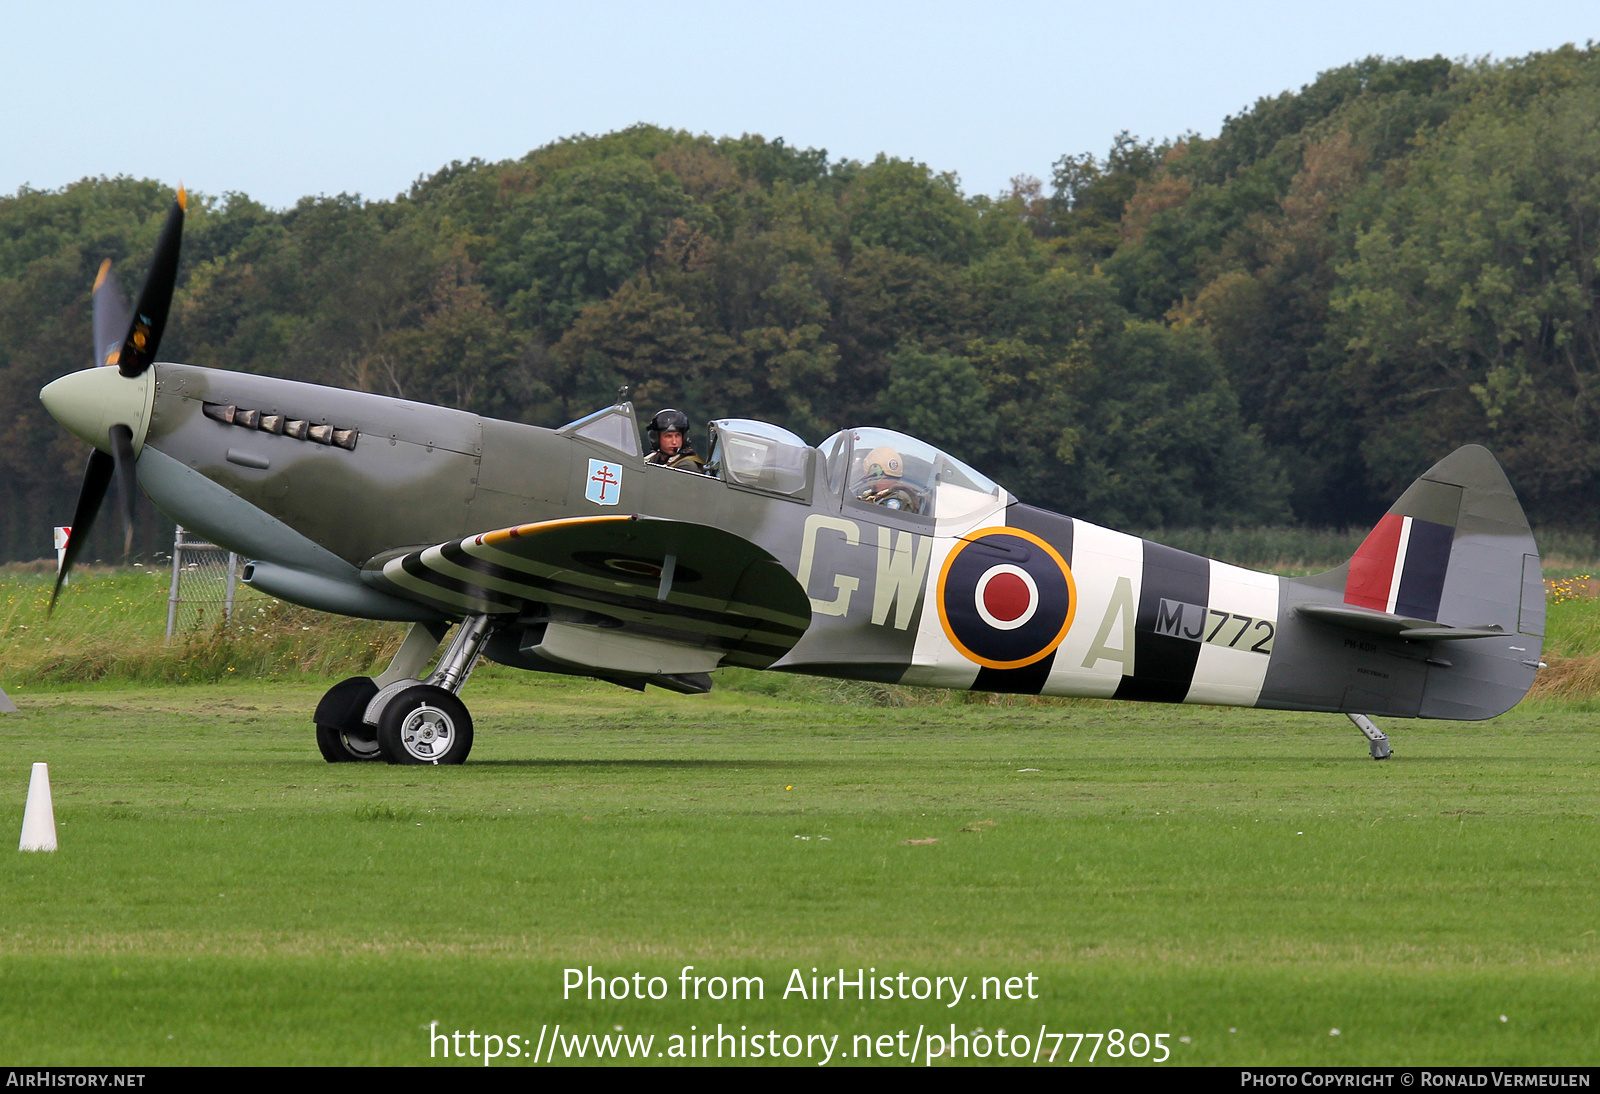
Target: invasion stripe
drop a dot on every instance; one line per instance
(411, 574)
(515, 564)
(1163, 664)
(539, 586)
(1028, 680)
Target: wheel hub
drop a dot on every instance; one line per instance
(427, 733)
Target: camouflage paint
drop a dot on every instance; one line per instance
(420, 507)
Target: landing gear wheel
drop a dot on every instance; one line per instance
(425, 725)
(338, 746)
(342, 736)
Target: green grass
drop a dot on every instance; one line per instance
(110, 626)
(223, 896)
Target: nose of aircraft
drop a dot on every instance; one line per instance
(90, 402)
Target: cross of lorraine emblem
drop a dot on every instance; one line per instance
(604, 486)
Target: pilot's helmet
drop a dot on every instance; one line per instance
(883, 462)
(667, 421)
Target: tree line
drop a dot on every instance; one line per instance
(1286, 322)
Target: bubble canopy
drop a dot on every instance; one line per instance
(884, 468)
(758, 455)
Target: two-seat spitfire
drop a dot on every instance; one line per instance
(872, 556)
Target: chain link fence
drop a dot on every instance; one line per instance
(203, 581)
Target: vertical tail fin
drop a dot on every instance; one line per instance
(1454, 570)
(1455, 549)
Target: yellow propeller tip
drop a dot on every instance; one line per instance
(183, 198)
(100, 278)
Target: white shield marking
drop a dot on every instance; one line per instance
(604, 486)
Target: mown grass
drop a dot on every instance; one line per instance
(1247, 880)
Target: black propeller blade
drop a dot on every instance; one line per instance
(131, 345)
(96, 479)
(110, 316)
(150, 313)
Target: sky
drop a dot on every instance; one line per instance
(284, 100)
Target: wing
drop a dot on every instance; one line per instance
(603, 582)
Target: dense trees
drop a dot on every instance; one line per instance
(1395, 260)
(1293, 317)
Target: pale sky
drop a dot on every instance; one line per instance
(281, 100)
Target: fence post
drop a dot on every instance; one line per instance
(172, 594)
(233, 569)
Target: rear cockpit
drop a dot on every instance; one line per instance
(882, 468)
(869, 466)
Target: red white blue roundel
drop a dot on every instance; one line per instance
(1006, 597)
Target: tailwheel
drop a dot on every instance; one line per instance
(1377, 740)
(342, 735)
(425, 725)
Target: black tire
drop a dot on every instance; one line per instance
(342, 737)
(339, 746)
(425, 725)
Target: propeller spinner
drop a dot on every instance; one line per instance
(110, 408)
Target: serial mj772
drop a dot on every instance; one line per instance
(872, 556)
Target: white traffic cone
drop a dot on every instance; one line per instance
(39, 819)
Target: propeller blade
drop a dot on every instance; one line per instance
(127, 480)
(110, 316)
(150, 313)
(96, 479)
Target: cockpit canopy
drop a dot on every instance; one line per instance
(870, 465)
(882, 467)
(758, 455)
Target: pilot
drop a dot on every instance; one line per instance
(882, 482)
(669, 442)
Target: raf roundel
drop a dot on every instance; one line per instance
(1006, 598)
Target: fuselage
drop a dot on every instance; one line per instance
(976, 590)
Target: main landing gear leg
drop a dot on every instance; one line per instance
(1375, 737)
(422, 722)
(342, 732)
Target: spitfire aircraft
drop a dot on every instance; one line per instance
(872, 556)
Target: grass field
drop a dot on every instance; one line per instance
(223, 896)
(1245, 882)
